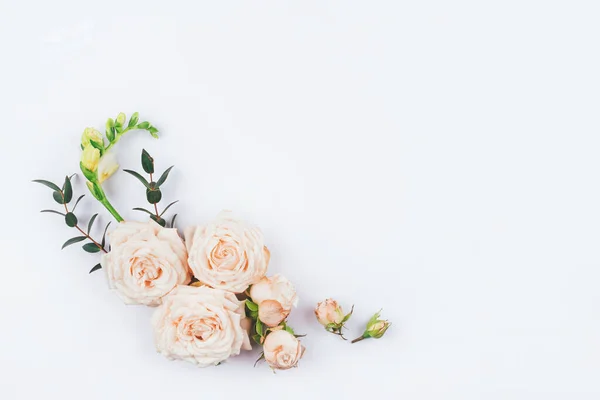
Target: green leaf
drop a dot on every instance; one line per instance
(110, 131)
(71, 219)
(68, 190)
(98, 146)
(252, 306)
(89, 175)
(173, 221)
(91, 223)
(159, 220)
(143, 125)
(53, 212)
(77, 202)
(289, 329)
(169, 206)
(104, 235)
(58, 197)
(133, 120)
(96, 268)
(164, 176)
(48, 184)
(144, 210)
(153, 131)
(260, 328)
(91, 248)
(74, 240)
(257, 339)
(140, 177)
(153, 196)
(147, 162)
(347, 317)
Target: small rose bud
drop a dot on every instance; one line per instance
(330, 314)
(107, 167)
(120, 121)
(282, 350)
(275, 297)
(91, 135)
(90, 158)
(376, 328)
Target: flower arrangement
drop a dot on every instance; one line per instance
(210, 287)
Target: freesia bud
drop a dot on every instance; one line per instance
(120, 119)
(376, 328)
(330, 314)
(107, 167)
(91, 135)
(90, 158)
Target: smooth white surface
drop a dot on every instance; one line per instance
(436, 159)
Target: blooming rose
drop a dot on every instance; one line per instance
(200, 325)
(145, 263)
(329, 312)
(282, 350)
(227, 254)
(275, 297)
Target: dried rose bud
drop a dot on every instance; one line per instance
(330, 314)
(376, 328)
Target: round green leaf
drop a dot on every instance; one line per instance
(91, 248)
(71, 219)
(58, 197)
(153, 196)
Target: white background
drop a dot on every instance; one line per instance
(437, 159)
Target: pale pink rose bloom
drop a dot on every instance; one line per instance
(227, 254)
(145, 263)
(329, 312)
(275, 297)
(282, 350)
(201, 325)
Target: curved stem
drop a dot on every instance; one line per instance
(111, 209)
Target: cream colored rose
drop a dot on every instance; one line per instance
(282, 350)
(275, 297)
(145, 263)
(227, 254)
(200, 325)
(329, 312)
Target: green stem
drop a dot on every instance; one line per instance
(358, 339)
(110, 207)
(117, 137)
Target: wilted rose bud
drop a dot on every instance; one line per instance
(330, 314)
(91, 135)
(376, 328)
(107, 167)
(90, 158)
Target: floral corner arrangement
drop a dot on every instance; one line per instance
(209, 286)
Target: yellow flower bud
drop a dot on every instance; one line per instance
(91, 134)
(90, 158)
(120, 119)
(107, 167)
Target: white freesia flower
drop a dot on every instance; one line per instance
(145, 263)
(227, 254)
(107, 167)
(200, 325)
(275, 297)
(282, 350)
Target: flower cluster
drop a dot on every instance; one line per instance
(211, 292)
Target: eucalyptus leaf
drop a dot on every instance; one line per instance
(77, 202)
(58, 197)
(96, 268)
(91, 223)
(173, 221)
(53, 212)
(71, 220)
(74, 240)
(153, 196)
(68, 190)
(164, 176)
(147, 162)
(167, 207)
(91, 248)
(104, 235)
(159, 220)
(48, 184)
(143, 210)
(139, 177)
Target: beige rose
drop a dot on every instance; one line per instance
(145, 263)
(227, 254)
(275, 297)
(329, 312)
(282, 350)
(200, 325)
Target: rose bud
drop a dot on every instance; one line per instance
(91, 135)
(282, 350)
(275, 297)
(376, 328)
(330, 314)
